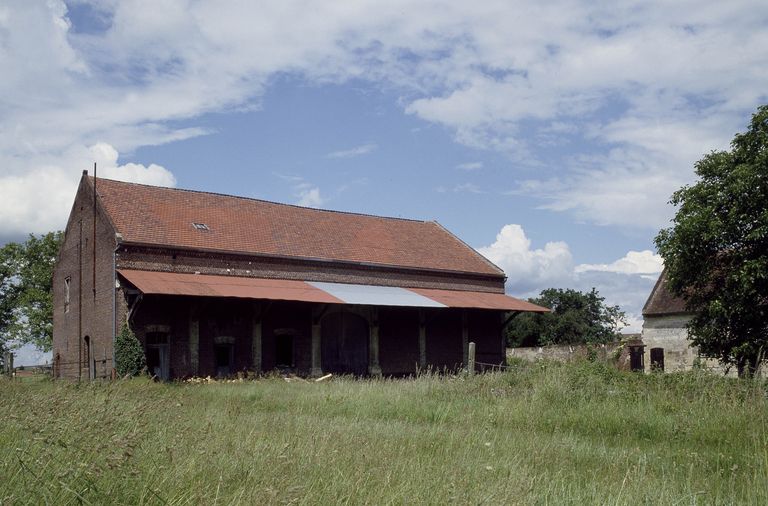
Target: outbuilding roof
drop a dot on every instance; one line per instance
(662, 301)
(170, 217)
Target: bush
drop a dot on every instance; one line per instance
(129, 354)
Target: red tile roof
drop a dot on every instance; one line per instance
(165, 217)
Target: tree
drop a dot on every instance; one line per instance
(9, 291)
(716, 252)
(576, 318)
(26, 284)
(129, 354)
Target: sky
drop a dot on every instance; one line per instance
(547, 135)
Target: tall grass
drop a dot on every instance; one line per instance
(539, 433)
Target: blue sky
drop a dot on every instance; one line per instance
(548, 136)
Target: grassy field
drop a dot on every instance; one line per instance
(542, 433)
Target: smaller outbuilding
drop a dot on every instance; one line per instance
(665, 333)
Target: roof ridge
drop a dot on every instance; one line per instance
(254, 199)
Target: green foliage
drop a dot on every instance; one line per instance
(576, 318)
(26, 283)
(540, 433)
(716, 252)
(129, 355)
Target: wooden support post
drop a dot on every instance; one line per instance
(194, 340)
(374, 368)
(471, 359)
(464, 336)
(422, 340)
(256, 337)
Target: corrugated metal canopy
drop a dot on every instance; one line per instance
(371, 295)
(171, 283)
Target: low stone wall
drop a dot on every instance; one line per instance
(565, 352)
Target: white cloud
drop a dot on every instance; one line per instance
(650, 95)
(37, 198)
(470, 166)
(634, 262)
(528, 269)
(353, 152)
(106, 157)
(310, 197)
(626, 282)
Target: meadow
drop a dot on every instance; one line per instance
(539, 433)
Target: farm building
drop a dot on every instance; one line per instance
(664, 335)
(214, 284)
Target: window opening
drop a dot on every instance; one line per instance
(224, 354)
(67, 282)
(284, 350)
(200, 226)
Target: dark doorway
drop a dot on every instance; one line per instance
(88, 362)
(284, 350)
(158, 355)
(636, 360)
(344, 344)
(224, 354)
(657, 359)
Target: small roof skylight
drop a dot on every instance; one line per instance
(200, 226)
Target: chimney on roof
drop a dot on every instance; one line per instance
(85, 172)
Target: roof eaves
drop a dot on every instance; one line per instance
(128, 242)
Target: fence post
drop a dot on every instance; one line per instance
(471, 359)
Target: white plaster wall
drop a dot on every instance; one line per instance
(669, 333)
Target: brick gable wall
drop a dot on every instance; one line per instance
(75, 262)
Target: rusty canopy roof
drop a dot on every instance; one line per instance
(166, 217)
(480, 300)
(203, 285)
(172, 283)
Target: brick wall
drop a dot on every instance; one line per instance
(92, 318)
